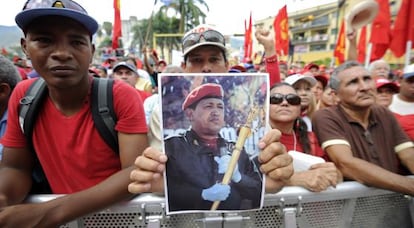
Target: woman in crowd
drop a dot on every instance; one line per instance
(285, 111)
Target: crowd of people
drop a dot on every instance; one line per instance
(360, 121)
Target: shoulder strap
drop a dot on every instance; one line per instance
(29, 108)
(103, 113)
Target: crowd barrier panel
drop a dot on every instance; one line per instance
(350, 204)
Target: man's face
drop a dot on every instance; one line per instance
(407, 89)
(356, 88)
(206, 59)
(60, 50)
(208, 116)
(125, 74)
(384, 96)
(381, 70)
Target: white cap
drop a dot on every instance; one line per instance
(408, 71)
(292, 79)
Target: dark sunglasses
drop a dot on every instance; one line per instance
(291, 98)
(209, 36)
(68, 4)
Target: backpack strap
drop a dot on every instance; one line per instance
(103, 113)
(29, 108)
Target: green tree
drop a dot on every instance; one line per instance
(188, 11)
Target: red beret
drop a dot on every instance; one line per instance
(203, 91)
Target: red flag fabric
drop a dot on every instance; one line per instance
(339, 51)
(381, 30)
(117, 28)
(403, 30)
(281, 29)
(362, 45)
(248, 41)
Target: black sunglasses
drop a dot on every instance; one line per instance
(291, 98)
(209, 36)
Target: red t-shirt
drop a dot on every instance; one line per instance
(407, 124)
(72, 153)
(289, 140)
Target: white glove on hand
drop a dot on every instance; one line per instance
(223, 164)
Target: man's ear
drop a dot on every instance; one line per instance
(189, 113)
(5, 91)
(23, 46)
(93, 53)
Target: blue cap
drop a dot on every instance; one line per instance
(66, 8)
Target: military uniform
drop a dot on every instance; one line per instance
(191, 168)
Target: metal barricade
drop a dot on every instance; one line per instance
(350, 204)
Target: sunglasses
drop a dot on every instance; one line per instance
(291, 99)
(68, 4)
(209, 36)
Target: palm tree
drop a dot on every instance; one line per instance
(188, 11)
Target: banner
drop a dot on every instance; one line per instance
(281, 29)
(381, 31)
(248, 40)
(117, 28)
(339, 51)
(403, 28)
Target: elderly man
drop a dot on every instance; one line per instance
(379, 69)
(205, 52)
(364, 139)
(199, 158)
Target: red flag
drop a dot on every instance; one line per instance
(381, 30)
(339, 51)
(248, 41)
(281, 29)
(403, 28)
(117, 28)
(362, 45)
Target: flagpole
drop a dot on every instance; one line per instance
(407, 53)
(368, 55)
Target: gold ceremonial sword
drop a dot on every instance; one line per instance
(245, 131)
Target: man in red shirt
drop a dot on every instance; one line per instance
(75, 159)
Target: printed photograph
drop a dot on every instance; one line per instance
(211, 127)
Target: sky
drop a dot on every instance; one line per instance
(227, 15)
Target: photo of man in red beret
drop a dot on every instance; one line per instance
(199, 158)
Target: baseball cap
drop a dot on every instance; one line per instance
(408, 71)
(207, 90)
(202, 35)
(126, 65)
(292, 79)
(67, 8)
(382, 82)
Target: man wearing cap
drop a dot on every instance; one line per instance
(403, 102)
(76, 161)
(128, 73)
(205, 52)
(385, 91)
(198, 158)
(364, 139)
